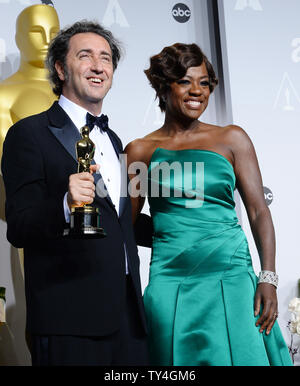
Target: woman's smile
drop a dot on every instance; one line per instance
(189, 95)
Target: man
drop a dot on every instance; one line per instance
(84, 303)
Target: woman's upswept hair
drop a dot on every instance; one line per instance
(171, 64)
(59, 48)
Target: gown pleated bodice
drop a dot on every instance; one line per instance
(200, 297)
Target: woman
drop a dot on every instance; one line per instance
(203, 303)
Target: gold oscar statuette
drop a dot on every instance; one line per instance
(84, 219)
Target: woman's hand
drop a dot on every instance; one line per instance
(266, 296)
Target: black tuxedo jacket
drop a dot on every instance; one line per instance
(73, 287)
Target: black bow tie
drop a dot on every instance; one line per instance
(101, 122)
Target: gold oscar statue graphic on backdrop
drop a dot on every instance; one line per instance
(28, 91)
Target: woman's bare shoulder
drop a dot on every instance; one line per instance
(236, 137)
(141, 149)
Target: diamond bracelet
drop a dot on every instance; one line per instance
(268, 277)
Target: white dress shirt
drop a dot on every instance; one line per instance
(105, 155)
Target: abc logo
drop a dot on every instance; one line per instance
(181, 13)
(268, 196)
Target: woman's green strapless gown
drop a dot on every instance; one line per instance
(200, 297)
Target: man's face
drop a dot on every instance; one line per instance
(89, 71)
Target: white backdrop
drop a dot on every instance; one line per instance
(258, 57)
(263, 48)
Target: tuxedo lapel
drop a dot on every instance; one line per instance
(67, 136)
(115, 142)
(63, 129)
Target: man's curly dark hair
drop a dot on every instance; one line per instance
(59, 48)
